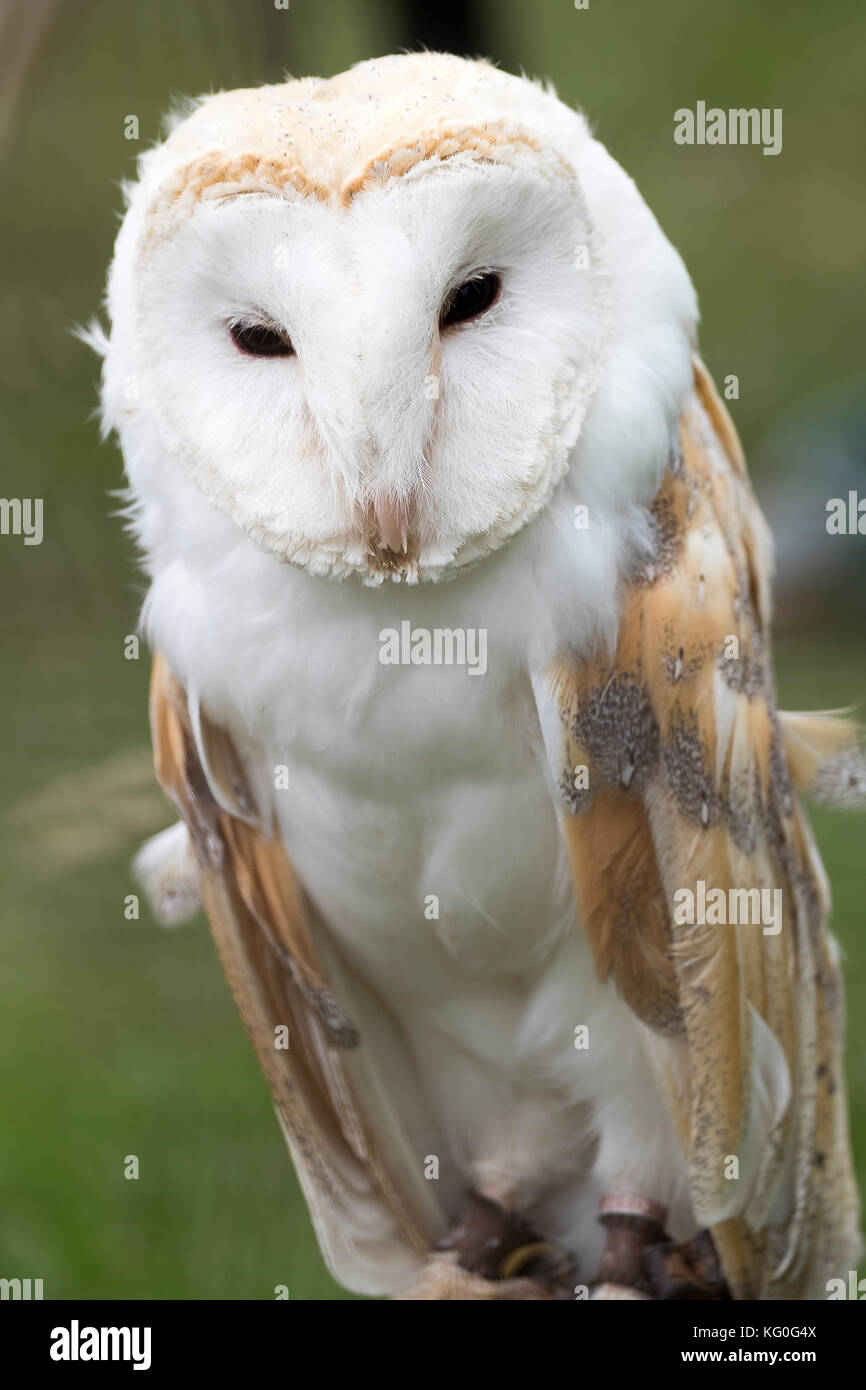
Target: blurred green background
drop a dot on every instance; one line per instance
(117, 1037)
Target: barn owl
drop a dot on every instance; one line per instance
(533, 951)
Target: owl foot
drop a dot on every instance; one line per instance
(691, 1270)
(493, 1253)
(633, 1225)
(641, 1262)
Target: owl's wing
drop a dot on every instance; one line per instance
(677, 771)
(370, 1208)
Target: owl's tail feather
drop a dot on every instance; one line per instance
(827, 757)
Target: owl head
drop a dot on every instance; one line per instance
(372, 319)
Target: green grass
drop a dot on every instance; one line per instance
(117, 1037)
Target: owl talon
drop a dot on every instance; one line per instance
(687, 1271)
(499, 1245)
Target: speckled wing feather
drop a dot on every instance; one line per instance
(370, 1217)
(689, 779)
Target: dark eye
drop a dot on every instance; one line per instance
(257, 340)
(471, 299)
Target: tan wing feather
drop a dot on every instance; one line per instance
(689, 780)
(371, 1224)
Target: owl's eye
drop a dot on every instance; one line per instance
(471, 299)
(258, 340)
